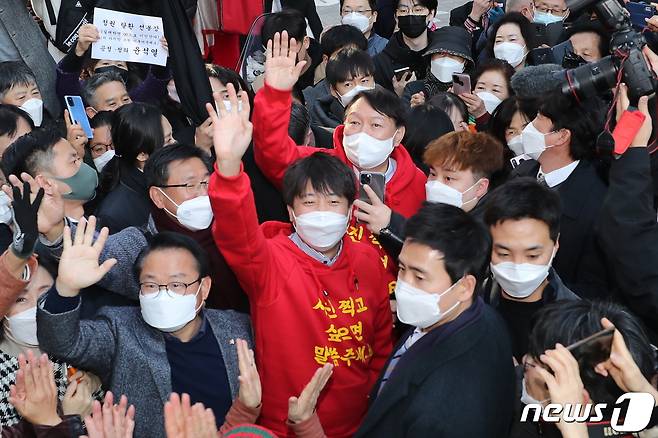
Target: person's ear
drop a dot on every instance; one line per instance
(482, 188)
(206, 283)
(557, 244)
(307, 42)
(291, 214)
(564, 136)
(374, 16)
(397, 139)
(142, 157)
(325, 59)
(334, 92)
(157, 197)
(91, 112)
(467, 289)
(431, 16)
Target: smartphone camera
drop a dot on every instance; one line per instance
(365, 179)
(69, 100)
(457, 80)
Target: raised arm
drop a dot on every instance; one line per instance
(274, 150)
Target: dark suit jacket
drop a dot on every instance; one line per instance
(580, 261)
(307, 8)
(461, 385)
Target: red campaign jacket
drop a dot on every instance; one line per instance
(305, 313)
(274, 151)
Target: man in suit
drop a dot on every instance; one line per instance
(560, 139)
(172, 345)
(452, 373)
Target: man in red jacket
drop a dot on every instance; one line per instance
(368, 141)
(316, 295)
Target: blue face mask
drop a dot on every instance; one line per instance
(546, 18)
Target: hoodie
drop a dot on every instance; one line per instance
(305, 313)
(274, 151)
(398, 55)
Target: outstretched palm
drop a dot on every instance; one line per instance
(281, 67)
(79, 267)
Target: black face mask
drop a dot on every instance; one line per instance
(125, 74)
(412, 26)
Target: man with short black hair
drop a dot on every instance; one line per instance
(316, 296)
(362, 14)
(104, 92)
(451, 373)
(524, 221)
(14, 123)
(18, 86)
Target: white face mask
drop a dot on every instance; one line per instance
(534, 142)
(357, 20)
(444, 68)
(527, 399)
(167, 311)
(366, 152)
(511, 52)
(22, 327)
(520, 280)
(419, 308)
(101, 161)
(34, 107)
(321, 230)
(516, 144)
(173, 93)
(491, 101)
(348, 97)
(5, 208)
(229, 106)
(436, 191)
(194, 214)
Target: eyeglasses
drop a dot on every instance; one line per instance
(149, 288)
(552, 11)
(190, 188)
(416, 10)
(101, 148)
(346, 11)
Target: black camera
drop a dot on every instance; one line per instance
(625, 56)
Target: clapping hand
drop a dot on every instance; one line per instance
(110, 420)
(34, 394)
(232, 131)
(281, 67)
(78, 266)
(250, 393)
(185, 421)
(301, 408)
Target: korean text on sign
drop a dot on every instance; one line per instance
(128, 37)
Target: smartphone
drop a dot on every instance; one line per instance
(77, 113)
(516, 161)
(595, 348)
(461, 83)
(401, 72)
(377, 183)
(640, 11)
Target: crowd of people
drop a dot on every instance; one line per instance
(390, 227)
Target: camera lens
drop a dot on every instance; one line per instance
(591, 79)
(70, 100)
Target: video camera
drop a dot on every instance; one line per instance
(626, 56)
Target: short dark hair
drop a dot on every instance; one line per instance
(597, 28)
(566, 113)
(498, 65)
(340, 36)
(14, 73)
(325, 172)
(432, 5)
(462, 239)
(385, 102)
(446, 101)
(566, 322)
(9, 115)
(348, 63)
(136, 128)
(527, 31)
(524, 198)
(169, 240)
(95, 82)
(30, 153)
(290, 20)
(371, 3)
(156, 169)
(101, 118)
(501, 119)
(429, 124)
(226, 76)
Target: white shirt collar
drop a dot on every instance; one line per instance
(558, 176)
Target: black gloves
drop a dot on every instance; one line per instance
(26, 232)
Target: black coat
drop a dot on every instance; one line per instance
(460, 385)
(307, 8)
(397, 55)
(327, 112)
(629, 235)
(126, 205)
(580, 261)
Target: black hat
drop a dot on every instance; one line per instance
(452, 40)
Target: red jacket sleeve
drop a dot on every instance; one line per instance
(383, 332)
(11, 287)
(274, 150)
(238, 414)
(238, 235)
